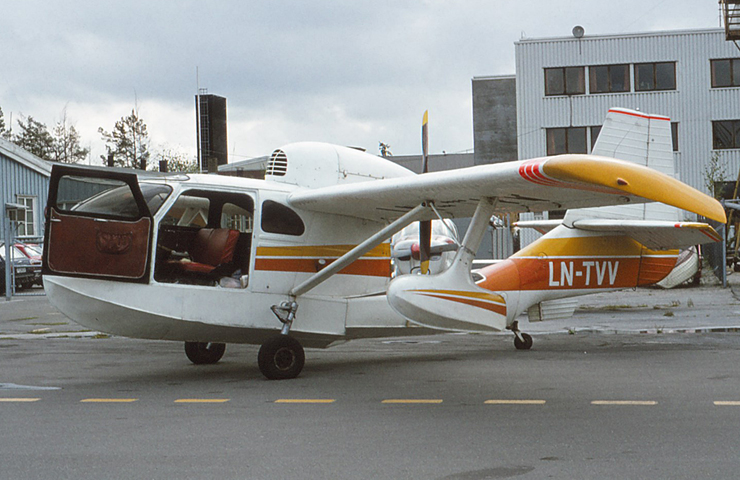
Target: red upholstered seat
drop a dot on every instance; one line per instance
(211, 247)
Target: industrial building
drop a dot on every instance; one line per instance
(566, 85)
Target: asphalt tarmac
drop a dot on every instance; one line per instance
(594, 398)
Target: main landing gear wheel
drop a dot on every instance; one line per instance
(201, 353)
(281, 357)
(522, 341)
(525, 343)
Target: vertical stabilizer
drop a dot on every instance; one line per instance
(639, 138)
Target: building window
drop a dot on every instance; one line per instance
(565, 81)
(27, 218)
(595, 131)
(726, 134)
(566, 140)
(655, 76)
(674, 135)
(609, 78)
(725, 73)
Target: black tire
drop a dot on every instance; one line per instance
(201, 353)
(526, 344)
(281, 358)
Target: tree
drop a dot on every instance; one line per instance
(66, 147)
(34, 138)
(128, 142)
(176, 161)
(3, 132)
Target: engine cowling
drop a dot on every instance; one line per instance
(316, 165)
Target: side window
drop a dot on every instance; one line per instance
(188, 211)
(96, 196)
(277, 218)
(235, 217)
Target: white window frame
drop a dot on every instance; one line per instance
(28, 217)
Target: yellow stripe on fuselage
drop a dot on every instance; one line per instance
(381, 251)
(606, 246)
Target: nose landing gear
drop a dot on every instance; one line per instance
(282, 357)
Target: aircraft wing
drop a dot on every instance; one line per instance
(549, 183)
(654, 234)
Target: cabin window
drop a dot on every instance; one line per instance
(190, 210)
(102, 196)
(236, 218)
(277, 218)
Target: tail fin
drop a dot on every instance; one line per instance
(638, 138)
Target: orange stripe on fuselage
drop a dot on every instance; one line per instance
(580, 263)
(311, 259)
(495, 303)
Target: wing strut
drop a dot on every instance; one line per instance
(360, 250)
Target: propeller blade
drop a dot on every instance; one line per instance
(425, 227)
(425, 143)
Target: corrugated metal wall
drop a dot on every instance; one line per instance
(17, 179)
(694, 104)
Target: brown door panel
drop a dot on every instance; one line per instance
(99, 247)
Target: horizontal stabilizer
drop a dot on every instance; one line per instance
(542, 226)
(653, 234)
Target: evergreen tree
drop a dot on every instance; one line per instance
(128, 142)
(34, 138)
(66, 146)
(3, 132)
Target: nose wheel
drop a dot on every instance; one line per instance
(522, 341)
(280, 358)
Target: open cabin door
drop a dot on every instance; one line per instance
(98, 224)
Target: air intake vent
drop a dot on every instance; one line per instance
(278, 164)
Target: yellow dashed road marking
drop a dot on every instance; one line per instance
(305, 400)
(109, 400)
(727, 404)
(11, 400)
(624, 402)
(202, 400)
(412, 400)
(514, 402)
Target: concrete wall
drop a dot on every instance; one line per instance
(494, 119)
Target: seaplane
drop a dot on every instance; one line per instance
(303, 257)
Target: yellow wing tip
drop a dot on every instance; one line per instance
(635, 180)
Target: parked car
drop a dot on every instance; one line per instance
(27, 269)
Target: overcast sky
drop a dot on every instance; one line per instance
(348, 72)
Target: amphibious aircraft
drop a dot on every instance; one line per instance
(302, 257)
